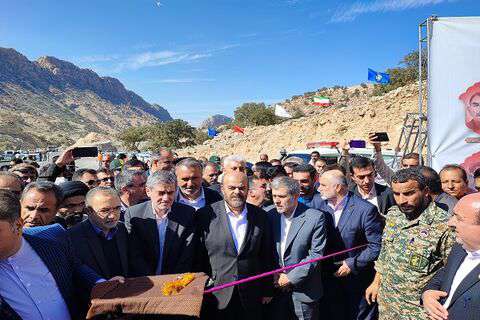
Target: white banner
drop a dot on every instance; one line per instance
(454, 92)
(281, 112)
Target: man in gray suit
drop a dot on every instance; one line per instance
(161, 231)
(299, 234)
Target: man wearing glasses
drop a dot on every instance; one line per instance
(101, 241)
(87, 176)
(105, 178)
(26, 172)
(130, 185)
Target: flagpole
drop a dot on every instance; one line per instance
(420, 93)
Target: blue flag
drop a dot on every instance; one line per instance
(378, 77)
(212, 132)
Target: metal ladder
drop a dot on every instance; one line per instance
(408, 141)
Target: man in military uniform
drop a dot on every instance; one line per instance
(415, 244)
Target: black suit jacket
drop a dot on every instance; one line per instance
(89, 250)
(216, 187)
(384, 197)
(219, 258)
(465, 303)
(211, 196)
(180, 241)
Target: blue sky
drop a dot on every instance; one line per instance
(201, 57)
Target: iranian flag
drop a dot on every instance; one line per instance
(321, 101)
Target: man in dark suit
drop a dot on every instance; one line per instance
(235, 243)
(300, 235)
(101, 242)
(39, 274)
(454, 291)
(352, 222)
(363, 174)
(211, 172)
(190, 190)
(161, 231)
(131, 188)
(306, 176)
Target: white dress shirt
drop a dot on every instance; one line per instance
(338, 209)
(237, 225)
(162, 224)
(471, 261)
(370, 197)
(29, 288)
(285, 224)
(196, 204)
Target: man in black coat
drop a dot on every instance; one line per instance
(363, 174)
(162, 232)
(235, 243)
(190, 190)
(454, 291)
(101, 242)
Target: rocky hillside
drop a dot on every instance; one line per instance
(51, 101)
(354, 114)
(215, 121)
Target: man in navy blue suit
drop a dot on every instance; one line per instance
(352, 222)
(454, 291)
(40, 278)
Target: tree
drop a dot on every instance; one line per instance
(255, 114)
(171, 134)
(132, 137)
(201, 136)
(405, 74)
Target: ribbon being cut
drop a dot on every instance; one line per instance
(168, 294)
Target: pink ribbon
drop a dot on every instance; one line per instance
(269, 273)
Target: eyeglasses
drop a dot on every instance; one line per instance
(106, 179)
(92, 182)
(107, 211)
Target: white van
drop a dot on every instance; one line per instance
(333, 154)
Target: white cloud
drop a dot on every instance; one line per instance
(160, 58)
(351, 12)
(115, 63)
(97, 58)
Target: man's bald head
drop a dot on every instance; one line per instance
(235, 176)
(332, 184)
(466, 222)
(470, 205)
(335, 177)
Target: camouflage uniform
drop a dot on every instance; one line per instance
(412, 251)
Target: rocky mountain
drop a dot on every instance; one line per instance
(354, 114)
(215, 121)
(51, 101)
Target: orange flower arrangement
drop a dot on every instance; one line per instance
(174, 287)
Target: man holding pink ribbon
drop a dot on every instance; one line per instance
(235, 243)
(299, 235)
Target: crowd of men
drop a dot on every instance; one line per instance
(415, 236)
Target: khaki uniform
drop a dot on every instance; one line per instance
(412, 251)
